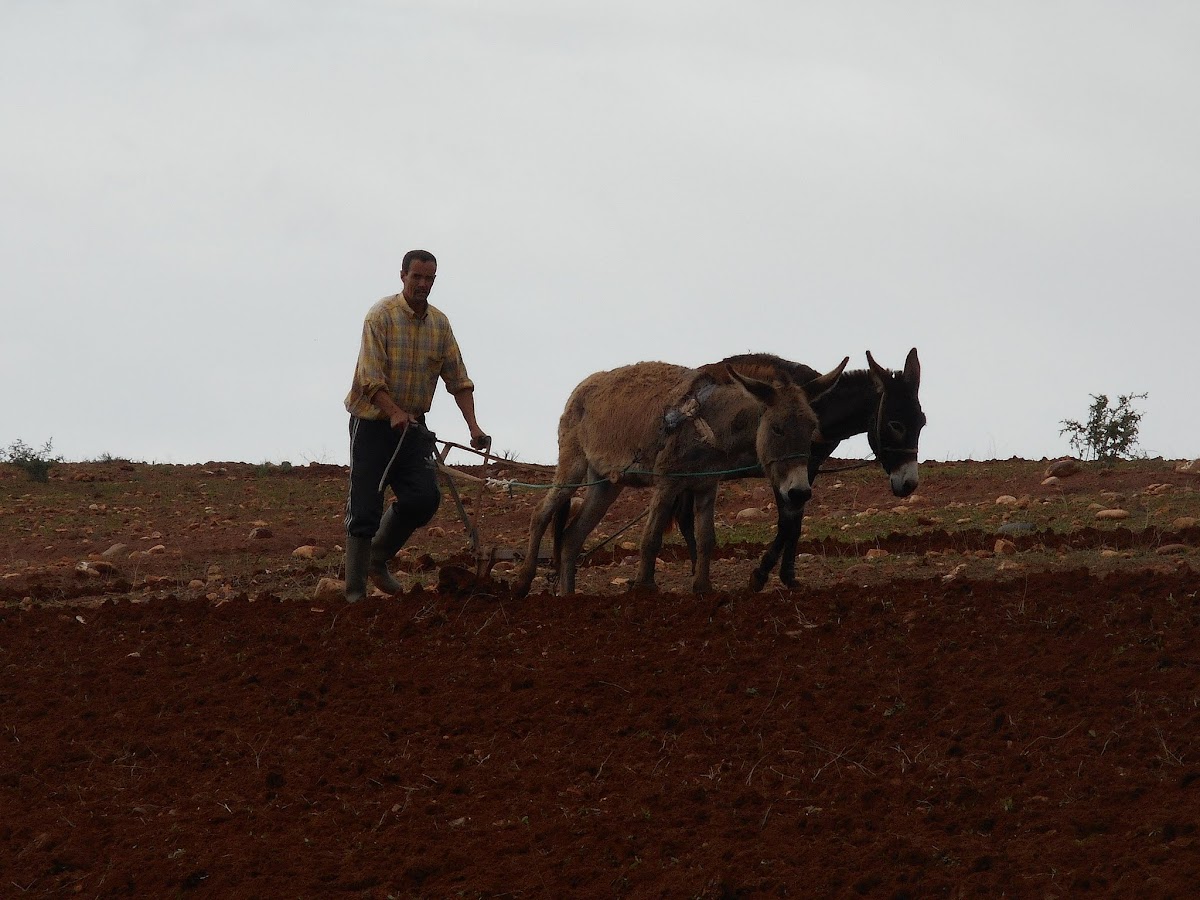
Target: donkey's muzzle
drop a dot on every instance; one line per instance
(799, 496)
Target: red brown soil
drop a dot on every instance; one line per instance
(900, 727)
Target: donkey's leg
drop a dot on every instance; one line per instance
(703, 504)
(572, 467)
(555, 499)
(789, 528)
(596, 501)
(659, 514)
(788, 537)
(558, 527)
(758, 578)
(684, 513)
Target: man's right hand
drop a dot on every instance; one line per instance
(400, 419)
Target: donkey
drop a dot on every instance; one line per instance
(882, 403)
(670, 428)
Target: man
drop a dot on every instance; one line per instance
(406, 346)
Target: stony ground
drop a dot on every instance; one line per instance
(987, 689)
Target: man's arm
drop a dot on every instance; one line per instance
(466, 405)
(397, 417)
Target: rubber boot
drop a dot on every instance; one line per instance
(358, 558)
(388, 539)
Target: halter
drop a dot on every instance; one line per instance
(900, 451)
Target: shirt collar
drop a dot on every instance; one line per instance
(410, 312)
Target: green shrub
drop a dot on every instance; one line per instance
(35, 463)
(1110, 433)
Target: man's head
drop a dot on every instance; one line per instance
(417, 272)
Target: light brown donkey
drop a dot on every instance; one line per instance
(657, 425)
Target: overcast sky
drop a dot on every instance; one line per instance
(201, 201)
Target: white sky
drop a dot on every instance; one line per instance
(201, 201)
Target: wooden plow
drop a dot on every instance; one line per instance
(486, 554)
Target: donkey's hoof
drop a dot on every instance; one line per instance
(643, 587)
(758, 579)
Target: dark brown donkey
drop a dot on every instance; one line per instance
(875, 400)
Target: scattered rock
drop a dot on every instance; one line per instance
(750, 514)
(329, 589)
(1015, 528)
(309, 551)
(115, 550)
(1005, 547)
(195, 584)
(1169, 549)
(1112, 514)
(1006, 500)
(876, 553)
(436, 531)
(1191, 467)
(1064, 468)
(955, 572)
(260, 532)
(1051, 480)
(1184, 522)
(157, 550)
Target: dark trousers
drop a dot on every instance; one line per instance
(412, 477)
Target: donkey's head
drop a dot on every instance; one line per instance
(784, 438)
(898, 422)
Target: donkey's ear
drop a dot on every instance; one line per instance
(912, 369)
(819, 387)
(761, 391)
(878, 373)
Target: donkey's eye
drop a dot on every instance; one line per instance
(777, 430)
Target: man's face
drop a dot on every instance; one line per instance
(418, 280)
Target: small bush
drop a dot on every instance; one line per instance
(35, 463)
(1110, 433)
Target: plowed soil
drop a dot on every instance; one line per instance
(933, 713)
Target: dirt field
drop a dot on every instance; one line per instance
(934, 714)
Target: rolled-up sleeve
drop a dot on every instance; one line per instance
(370, 373)
(454, 370)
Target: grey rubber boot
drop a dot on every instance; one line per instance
(388, 539)
(358, 558)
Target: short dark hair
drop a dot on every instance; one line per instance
(419, 256)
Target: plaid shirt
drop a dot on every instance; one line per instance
(405, 354)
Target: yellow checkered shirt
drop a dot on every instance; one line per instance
(406, 355)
